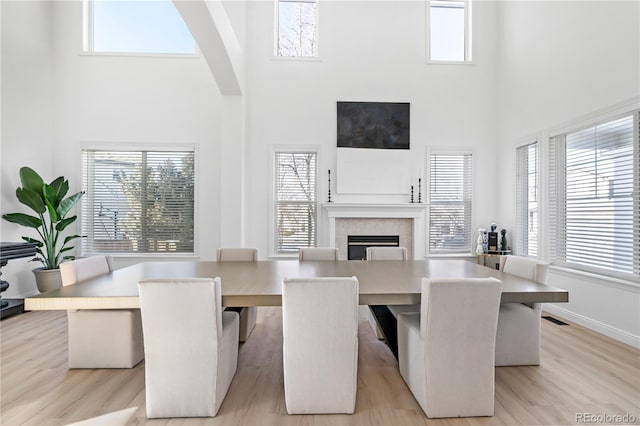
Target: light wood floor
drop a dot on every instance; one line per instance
(581, 372)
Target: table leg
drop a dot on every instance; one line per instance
(388, 325)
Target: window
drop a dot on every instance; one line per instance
(594, 206)
(295, 201)
(297, 28)
(527, 200)
(449, 189)
(153, 27)
(449, 30)
(138, 202)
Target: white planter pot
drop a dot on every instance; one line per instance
(47, 279)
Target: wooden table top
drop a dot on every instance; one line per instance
(260, 283)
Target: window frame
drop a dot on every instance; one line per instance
(555, 172)
(275, 149)
(462, 151)
(522, 222)
(87, 47)
(150, 147)
(468, 35)
(276, 32)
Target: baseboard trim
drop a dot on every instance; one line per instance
(597, 326)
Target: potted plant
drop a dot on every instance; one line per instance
(51, 207)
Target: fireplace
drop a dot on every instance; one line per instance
(405, 220)
(357, 244)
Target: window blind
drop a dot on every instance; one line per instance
(527, 200)
(594, 206)
(137, 202)
(450, 190)
(295, 201)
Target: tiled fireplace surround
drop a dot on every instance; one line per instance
(405, 220)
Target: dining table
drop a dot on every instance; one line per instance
(260, 283)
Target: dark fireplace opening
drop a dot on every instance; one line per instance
(357, 244)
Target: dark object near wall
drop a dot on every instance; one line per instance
(556, 321)
(493, 241)
(380, 125)
(8, 251)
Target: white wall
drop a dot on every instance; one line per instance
(369, 51)
(560, 62)
(27, 136)
(55, 99)
(148, 100)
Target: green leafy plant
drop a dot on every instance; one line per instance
(45, 198)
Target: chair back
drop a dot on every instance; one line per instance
(317, 253)
(458, 322)
(525, 267)
(84, 269)
(320, 344)
(182, 325)
(386, 253)
(237, 254)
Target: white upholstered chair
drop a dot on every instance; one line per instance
(248, 314)
(317, 253)
(237, 254)
(100, 338)
(190, 345)
(320, 344)
(518, 338)
(446, 352)
(388, 253)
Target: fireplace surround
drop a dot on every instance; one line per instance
(405, 220)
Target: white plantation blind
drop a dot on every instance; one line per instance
(527, 200)
(137, 201)
(450, 190)
(594, 205)
(295, 201)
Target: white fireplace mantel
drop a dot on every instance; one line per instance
(414, 211)
(409, 210)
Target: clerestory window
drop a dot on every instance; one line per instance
(131, 27)
(297, 28)
(449, 31)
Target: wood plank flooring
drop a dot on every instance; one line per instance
(581, 372)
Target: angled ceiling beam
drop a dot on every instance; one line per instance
(211, 28)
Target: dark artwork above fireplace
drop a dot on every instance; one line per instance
(381, 125)
(357, 244)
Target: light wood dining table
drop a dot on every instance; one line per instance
(260, 283)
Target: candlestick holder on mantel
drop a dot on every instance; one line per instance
(411, 195)
(420, 190)
(329, 199)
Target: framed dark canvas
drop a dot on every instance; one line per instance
(377, 125)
